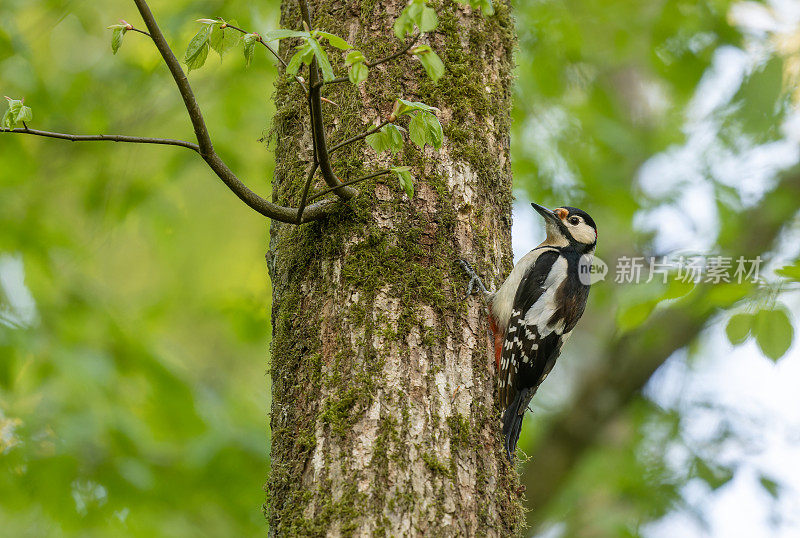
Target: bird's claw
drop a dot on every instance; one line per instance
(474, 279)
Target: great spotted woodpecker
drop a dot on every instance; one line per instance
(536, 308)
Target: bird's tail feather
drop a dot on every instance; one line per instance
(512, 421)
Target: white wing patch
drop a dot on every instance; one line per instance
(503, 301)
(544, 308)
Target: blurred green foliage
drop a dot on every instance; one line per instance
(648, 114)
(133, 392)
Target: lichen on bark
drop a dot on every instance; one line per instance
(383, 417)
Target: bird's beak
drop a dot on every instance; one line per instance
(546, 213)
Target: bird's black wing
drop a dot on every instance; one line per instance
(525, 353)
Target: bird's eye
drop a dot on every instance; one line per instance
(574, 221)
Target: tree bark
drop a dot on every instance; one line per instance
(383, 416)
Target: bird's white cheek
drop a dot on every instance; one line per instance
(584, 234)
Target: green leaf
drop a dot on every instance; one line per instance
(354, 57)
(484, 5)
(358, 73)
(388, 138)
(725, 294)
(355, 60)
(197, 51)
(431, 62)
(434, 133)
(282, 33)
(771, 486)
(426, 129)
(773, 332)
(428, 21)
(222, 40)
(714, 475)
(395, 139)
(414, 9)
(635, 315)
(789, 271)
(335, 40)
(25, 114)
(249, 48)
(116, 37)
(403, 25)
(10, 117)
(738, 328)
(378, 141)
(417, 130)
(302, 56)
(677, 288)
(415, 13)
(322, 59)
(407, 107)
(759, 96)
(17, 112)
(405, 178)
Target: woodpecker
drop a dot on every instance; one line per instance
(536, 308)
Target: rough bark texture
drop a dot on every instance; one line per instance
(383, 417)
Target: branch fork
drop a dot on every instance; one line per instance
(205, 148)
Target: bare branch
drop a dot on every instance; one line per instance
(195, 115)
(260, 40)
(273, 51)
(206, 148)
(268, 209)
(133, 29)
(351, 182)
(358, 137)
(396, 54)
(317, 125)
(303, 200)
(107, 138)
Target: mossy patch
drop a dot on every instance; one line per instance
(436, 466)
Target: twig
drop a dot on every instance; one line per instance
(260, 40)
(381, 61)
(273, 51)
(317, 125)
(132, 29)
(304, 199)
(276, 212)
(358, 137)
(396, 54)
(206, 148)
(351, 182)
(106, 138)
(189, 101)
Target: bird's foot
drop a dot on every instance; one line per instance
(474, 280)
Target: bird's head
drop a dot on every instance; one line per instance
(567, 226)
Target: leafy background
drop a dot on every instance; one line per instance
(134, 300)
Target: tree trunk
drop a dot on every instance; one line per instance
(383, 416)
